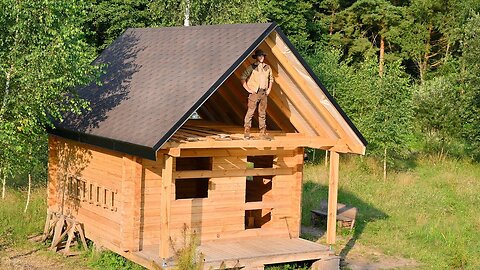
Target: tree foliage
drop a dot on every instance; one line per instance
(394, 66)
(43, 56)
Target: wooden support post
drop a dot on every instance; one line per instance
(165, 197)
(131, 193)
(332, 198)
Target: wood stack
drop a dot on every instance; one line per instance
(59, 226)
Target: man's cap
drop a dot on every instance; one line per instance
(258, 53)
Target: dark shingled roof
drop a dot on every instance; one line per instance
(155, 79)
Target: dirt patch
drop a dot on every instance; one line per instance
(357, 256)
(38, 259)
(363, 258)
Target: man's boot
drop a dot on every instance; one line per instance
(263, 134)
(246, 134)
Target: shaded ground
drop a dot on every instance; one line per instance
(360, 257)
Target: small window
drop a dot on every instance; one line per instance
(256, 219)
(260, 161)
(90, 193)
(105, 197)
(112, 203)
(191, 188)
(97, 193)
(257, 188)
(193, 163)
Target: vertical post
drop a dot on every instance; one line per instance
(332, 197)
(165, 197)
(295, 224)
(131, 197)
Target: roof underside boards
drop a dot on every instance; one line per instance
(157, 77)
(296, 104)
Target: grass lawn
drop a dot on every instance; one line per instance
(428, 213)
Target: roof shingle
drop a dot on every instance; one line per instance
(156, 77)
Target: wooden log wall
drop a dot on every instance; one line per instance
(222, 214)
(99, 187)
(119, 198)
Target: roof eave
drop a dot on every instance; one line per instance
(111, 144)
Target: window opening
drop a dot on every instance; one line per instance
(255, 219)
(193, 163)
(191, 188)
(257, 188)
(261, 161)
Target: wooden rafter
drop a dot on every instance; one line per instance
(272, 109)
(310, 95)
(226, 92)
(297, 121)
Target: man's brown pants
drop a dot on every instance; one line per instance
(259, 98)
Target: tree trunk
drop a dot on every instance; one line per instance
(7, 90)
(330, 28)
(423, 65)
(186, 22)
(382, 56)
(385, 164)
(4, 182)
(29, 192)
(326, 158)
(9, 74)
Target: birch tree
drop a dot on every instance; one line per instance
(43, 56)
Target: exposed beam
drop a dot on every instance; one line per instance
(165, 198)
(232, 173)
(297, 121)
(237, 141)
(219, 111)
(273, 112)
(225, 92)
(332, 198)
(311, 96)
(304, 109)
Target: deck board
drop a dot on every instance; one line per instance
(260, 250)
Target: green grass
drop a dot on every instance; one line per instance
(15, 225)
(429, 213)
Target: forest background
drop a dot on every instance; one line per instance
(407, 73)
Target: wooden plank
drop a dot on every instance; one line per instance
(131, 201)
(312, 97)
(167, 180)
(277, 142)
(297, 196)
(225, 92)
(232, 173)
(332, 197)
(229, 152)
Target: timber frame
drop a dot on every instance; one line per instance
(139, 196)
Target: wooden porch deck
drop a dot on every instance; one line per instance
(253, 253)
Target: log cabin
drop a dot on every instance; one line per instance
(160, 154)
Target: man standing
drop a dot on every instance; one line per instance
(257, 79)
